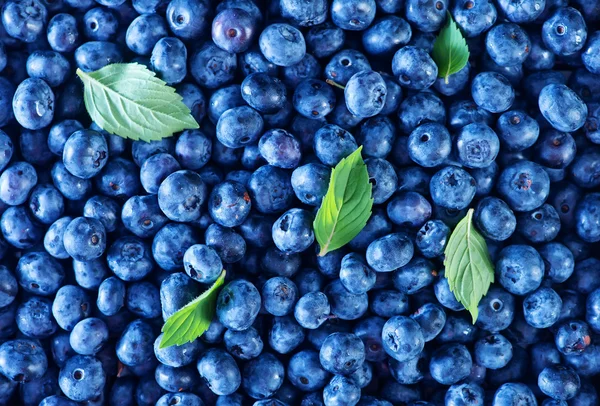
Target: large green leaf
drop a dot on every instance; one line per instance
(469, 269)
(127, 99)
(450, 50)
(193, 319)
(347, 205)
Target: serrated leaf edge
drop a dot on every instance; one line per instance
(471, 303)
(452, 28)
(354, 160)
(171, 329)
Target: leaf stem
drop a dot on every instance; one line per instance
(332, 83)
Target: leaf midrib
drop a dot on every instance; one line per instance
(95, 82)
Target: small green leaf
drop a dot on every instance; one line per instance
(127, 99)
(450, 50)
(347, 205)
(469, 269)
(193, 319)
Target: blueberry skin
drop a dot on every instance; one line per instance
(542, 308)
(111, 296)
(494, 219)
(22, 360)
(50, 66)
(176, 291)
(418, 109)
(285, 334)
(474, 20)
(325, 39)
(432, 318)
(230, 246)
(332, 143)
(341, 390)
(129, 259)
(293, 232)
(572, 337)
(342, 353)
(16, 183)
(33, 104)
(305, 371)
(523, 11)
(101, 24)
(402, 338)
(414, 276)
(477, 145)
(238, 305)
(517, 130)
(508, 44)
(239, 126)
(169, 246)
(524, 185)
(450, 364)
(193, 149)
(244, 345)
(19, 229)
(156, 169)
(310, 183)
(493, 351)
(210, 66)
(223, 99)
(432, 237)
(94, 55)
(220, 371)
(492, 92)
(559, 261)
(356, 276)
(540, 225)
(356, 16)
(270, 189)
(414, 68)
(462, 113)
(70, 306)
(181, 196)
(62, 33)
(229, 204)
(40, 274)
(386, 35)
(314, 99)
(143, 300)
(585, 168)
(565, 32)
(169, 60)
(520, 269)
(82, 378)
(279, 295)
(452, 188)
(263, 376)
(188, 19)
(135, 347)
(263, 92)
(509, 393)
(409, 209)
(390, 252)
(464, 394)
(24, 20)
(388, 302)
(85, 239)
(540, 57)
(429, 144)
(253, 61)
(312, 310)
(89, 336)
(454, 83)
(8, 286)
(142, 216)
(282, 44)
(195, 100)
(56, 400)
(587, 218)
(345, 305)
(555, 100)
(59, 133)
(409, 372)
(559, 382)
(85, 153)
(496, 310)
(183, 398)
(280, 148)
(233, 30)
(589, 56)
(365, 94)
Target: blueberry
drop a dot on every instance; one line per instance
(356, 276)
(310, 183)
(495, 219)
(181, 196)
(188, 18)
(492, 92)
(427, 16)
(270, 189)
(230, 246)
(341, 390)
(94, 55)
(233, 30)
(176, 291)
(238, 304)
(282, 44)
(239, 126)
(524, 185)
(312, 310)
(280, 148)
(143, 300)
(111, 296)
(169, 60)
(565, 32)
(85, 153)
(82, 378)
(508, 44)
(245, 345)
(432, 318)
(517, 131)
(22, 360)
(365, 94)
(414, 68)
(345, 305)
(62, 33)
(85, 239)
(477, 145)
(559, 382)
(210, 66)
(38, 273)
(50, 66)
(19, 229)
(402, 338)
(496, 310)
(509, 393)
(474, 18)
(33, 104)
(24, 20)
(263, 376)
(389, 252)
(452, 188)
(386, 35)
(555, 100)
(89, 336)
(429, 144)
(431, 238)
(520, 269)
(325, 39)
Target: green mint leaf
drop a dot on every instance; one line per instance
(127, 99)
(469, 269)
(193, 319)
(450, 50)
(347, 205)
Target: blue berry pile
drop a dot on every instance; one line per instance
(103, 238)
